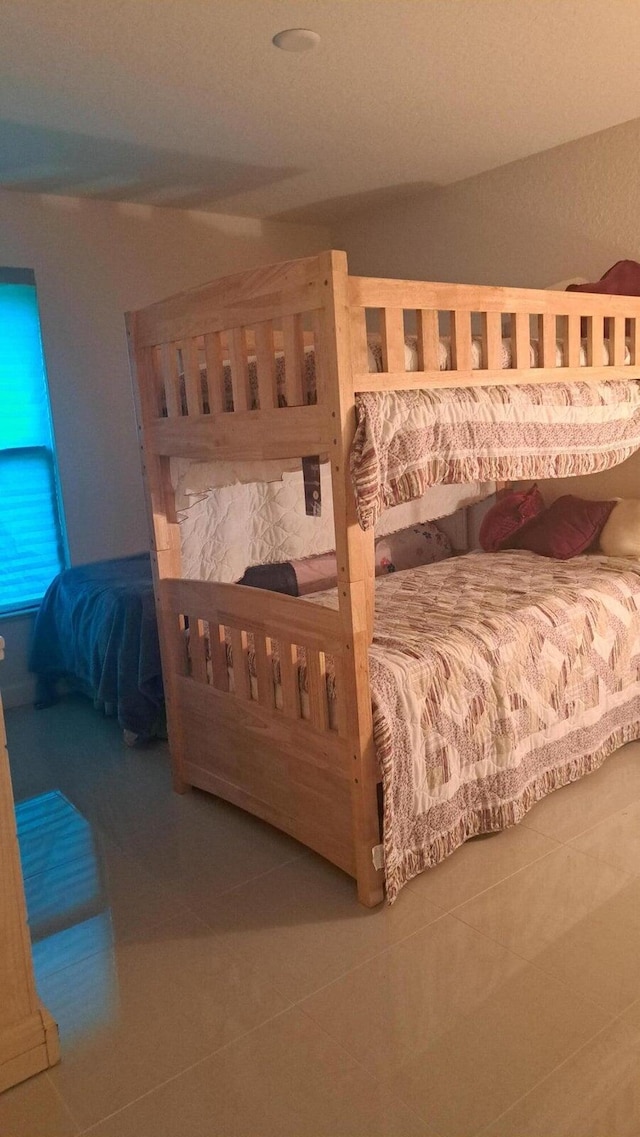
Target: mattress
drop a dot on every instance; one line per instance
(445, 357)
(375, 361)
(495, 679)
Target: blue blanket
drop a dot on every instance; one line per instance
(97, 628)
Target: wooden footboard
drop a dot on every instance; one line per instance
(257, 684)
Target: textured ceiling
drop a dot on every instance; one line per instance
(186, 102)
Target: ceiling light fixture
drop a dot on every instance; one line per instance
(296, 39)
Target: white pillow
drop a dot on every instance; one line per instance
(621, 534)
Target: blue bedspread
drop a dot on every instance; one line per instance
(97, 627)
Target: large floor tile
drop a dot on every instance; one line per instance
(133, 1017)
(616, 839)
(595, 1094)
(581, 805)
(538, 905)
(301, 926)
(207, 847)
(575, 917)
(195, 842)
(287, 1079)
(35, 1109)
(82, 892)
(480, 863)
(456, 1025)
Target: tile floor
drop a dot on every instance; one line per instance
(212, 978)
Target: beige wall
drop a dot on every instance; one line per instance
(569, 211)
(93, 261)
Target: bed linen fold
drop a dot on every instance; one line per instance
(407, 441)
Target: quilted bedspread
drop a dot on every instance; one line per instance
(496, 678)
(406, 441)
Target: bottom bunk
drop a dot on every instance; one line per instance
(495, 679)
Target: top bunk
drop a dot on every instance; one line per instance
(419, 383)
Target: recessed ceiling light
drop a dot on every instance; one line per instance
(296, 39)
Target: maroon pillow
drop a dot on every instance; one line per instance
(567, 528)
(508, 516)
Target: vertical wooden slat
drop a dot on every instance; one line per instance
(572, 341)
(461, 340)
(547, 340)
(293, 339)
(392, 339)
(428, 340)
(595, 341)
(241, 680)
(289, 680)
(171, 378)
(633, 341)
(218, 652)
(264, 671)
(317, 685)
(197, 649)
(616, 344)
(492, 340)
(178, 647)
(359, 349)
(239, 369)
(215, 371)
(520, 339)
(157, 373)
(319, 354)
(192, 378)
(266, 366)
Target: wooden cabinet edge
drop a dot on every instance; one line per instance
(29, 1041)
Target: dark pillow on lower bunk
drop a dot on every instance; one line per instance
(570, 526)
(508, 517)
(277, 578)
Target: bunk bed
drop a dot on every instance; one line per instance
(292, 708)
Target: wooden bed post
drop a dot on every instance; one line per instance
(354, 551)
(164, 534)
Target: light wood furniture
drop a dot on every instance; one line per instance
(314, 782)
(28, 1034)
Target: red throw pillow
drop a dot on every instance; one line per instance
(567, 528)
(508, 516)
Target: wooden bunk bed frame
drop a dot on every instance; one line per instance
(316, 783)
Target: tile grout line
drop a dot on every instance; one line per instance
(550, 1074)
(187, 1070)
(509, 876)
(371, 1075)
(58, 1094)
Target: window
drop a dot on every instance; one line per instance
(32, 543)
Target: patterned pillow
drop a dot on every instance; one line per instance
(419, 545)
(508, 516)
